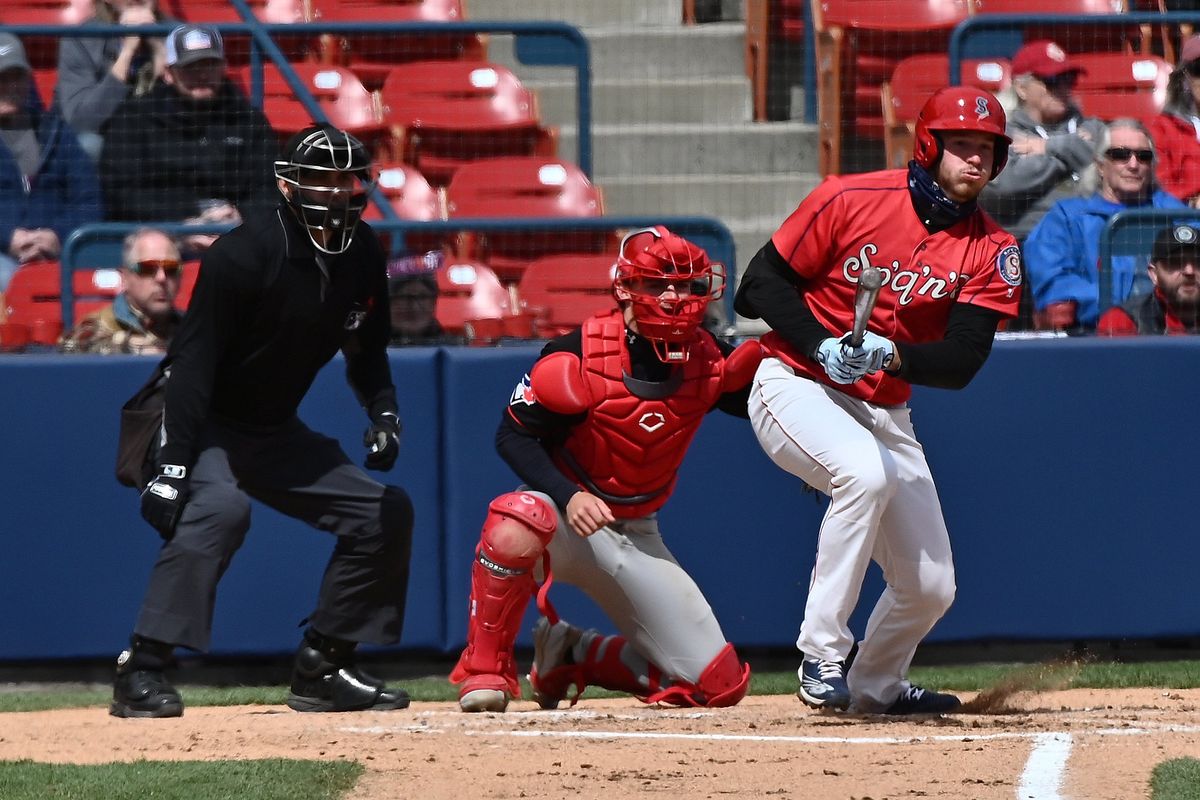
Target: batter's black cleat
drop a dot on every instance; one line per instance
(143, 693)
(823, 684)
(915, 700)
(320, 685)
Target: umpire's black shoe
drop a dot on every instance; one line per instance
(143, 693)
(320, 685)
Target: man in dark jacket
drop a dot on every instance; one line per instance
(190, 144)
(1174, 306)
(48, 185)
(274, 301)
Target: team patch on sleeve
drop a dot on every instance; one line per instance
(523, 394)
(1008, 264)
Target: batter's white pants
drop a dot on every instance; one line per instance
(628, 571)
(883, 506)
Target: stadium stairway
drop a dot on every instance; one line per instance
(672, 129)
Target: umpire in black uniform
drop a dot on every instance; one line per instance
(275, 300)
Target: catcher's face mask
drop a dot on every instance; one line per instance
(667, 283)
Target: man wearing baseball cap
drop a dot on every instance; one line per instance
(1053, 147)
(1174, 305)
(48, 186)
(192, 148)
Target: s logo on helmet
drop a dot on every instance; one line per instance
(1008, 264)
(981, 108)
(355, 319)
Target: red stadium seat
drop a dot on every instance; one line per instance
(34, 296)
(1122, 85)
(912, 83)
(1072, 38)
(187, 284)
(412, 198)
(524, 187)
(858, 43)
(769, 22)
(45, 79)
(42, 51)
(372, 56)
(342, 97)
(444, 114)
(237, 47)
(561, 291)
(469, 291)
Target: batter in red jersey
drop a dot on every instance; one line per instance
(598, 430)
(837, 416)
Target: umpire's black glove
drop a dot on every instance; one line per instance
(382, 441)
(164, 497)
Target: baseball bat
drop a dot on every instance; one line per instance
(869, 284)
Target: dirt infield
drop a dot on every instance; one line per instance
(1081, 743)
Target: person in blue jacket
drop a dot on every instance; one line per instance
(1062, 252)
(48, 185)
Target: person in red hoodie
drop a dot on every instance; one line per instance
(1174, 305)
(1176, 131)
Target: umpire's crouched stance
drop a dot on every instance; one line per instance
(275, 300)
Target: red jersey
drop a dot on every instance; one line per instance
(853, 221)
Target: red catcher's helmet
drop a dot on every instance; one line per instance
(960, 108)
(668, 282)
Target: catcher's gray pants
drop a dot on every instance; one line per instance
(307, 476)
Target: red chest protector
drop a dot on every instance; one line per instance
(629, 448)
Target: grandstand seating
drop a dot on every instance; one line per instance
(187, 284)
(561, 291)
(412, 198)
(524, 187)
(372, 56)
(914, 80)
(34, 297)
(42, 51)
(857, 46)
(343, 98)
(1122, 85)
(273, 11)
(470, 291)
(444, 114)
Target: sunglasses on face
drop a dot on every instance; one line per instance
(150, 268)
(1173, 265)
(1121, 154)
(1066, 80)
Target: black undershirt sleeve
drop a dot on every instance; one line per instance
(771, 291)
(952, 362)
(735, 402)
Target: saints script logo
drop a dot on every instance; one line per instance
(906, 283)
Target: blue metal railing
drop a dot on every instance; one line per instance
(973, 27)
(98, 244)
(535, 44)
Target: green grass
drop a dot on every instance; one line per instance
(267, 779)
(974, 677)
(1178, 779)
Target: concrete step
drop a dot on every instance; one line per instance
(676, 100)
(581, 13)
(654, 52)
(771, 195)
(696, 149)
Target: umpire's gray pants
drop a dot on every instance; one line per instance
(307, 476)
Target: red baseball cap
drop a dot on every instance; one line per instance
(1043, 58)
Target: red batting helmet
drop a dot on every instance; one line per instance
(668, 282)
(960, 108)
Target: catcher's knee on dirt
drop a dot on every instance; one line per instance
(517, 529)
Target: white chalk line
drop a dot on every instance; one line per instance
(1046, 767)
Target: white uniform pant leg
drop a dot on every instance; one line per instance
(629, 572)
(827, 439)
(913, 549)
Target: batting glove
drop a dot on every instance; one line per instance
(164, 497)
(832, 355)
(875, 353)
(382, 441)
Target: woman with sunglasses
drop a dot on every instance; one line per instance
(1176, 130)
(1054, 144)
(1063, 251)
(142, 318)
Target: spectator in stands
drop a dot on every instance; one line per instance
(95, 74)
(1062, 252)
(413, 293)
(1176, 131)
(193, 146)
(1174, 305)
(1054, 145)
(48, 185)
(142, 318)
